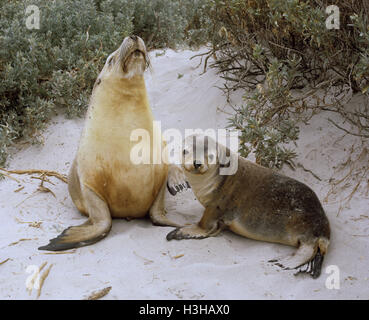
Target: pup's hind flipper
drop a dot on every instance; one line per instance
(313, 267)
(307, 259)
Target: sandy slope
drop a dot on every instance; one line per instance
(135, 259)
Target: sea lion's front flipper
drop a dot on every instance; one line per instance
(177, 181)
(208, 226)
(190, 232)
(95, 228)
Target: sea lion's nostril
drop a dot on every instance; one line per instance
(133, 38)
(197, 164)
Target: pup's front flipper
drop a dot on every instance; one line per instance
(208, 226)
(176, 181)
(191, 232)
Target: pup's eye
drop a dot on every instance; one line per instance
(185, 152)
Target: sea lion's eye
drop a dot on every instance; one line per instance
(110, 61)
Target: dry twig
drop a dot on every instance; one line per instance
(42, 279)
(98, 294)
(6, 260)
(50, 173)
(20, 240)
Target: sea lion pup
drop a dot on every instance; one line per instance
(103, 181)
(256, 203)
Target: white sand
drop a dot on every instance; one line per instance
(135, 259)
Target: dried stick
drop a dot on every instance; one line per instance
(55, 174)
(98, 294)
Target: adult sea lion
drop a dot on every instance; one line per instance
(103, 182)
(256, 203)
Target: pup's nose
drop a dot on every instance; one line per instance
(197, 164)
(134, 38)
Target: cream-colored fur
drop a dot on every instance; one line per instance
(103, 182)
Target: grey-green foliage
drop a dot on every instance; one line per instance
(156, 20)
(54, 68)
(290, 67)
(265, 141)
(164, 23)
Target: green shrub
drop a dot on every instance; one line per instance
(290, 66)
(54, 68)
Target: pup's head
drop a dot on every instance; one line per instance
(129, 60)
(199, 154)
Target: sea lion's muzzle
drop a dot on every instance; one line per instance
(133, 50)
(195, 166)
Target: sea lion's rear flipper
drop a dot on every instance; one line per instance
(176, 181)
(313, 267)
(307, 259)
(95, 228)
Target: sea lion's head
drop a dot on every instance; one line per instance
(203, 155)
(199, 154)
(129, 60)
